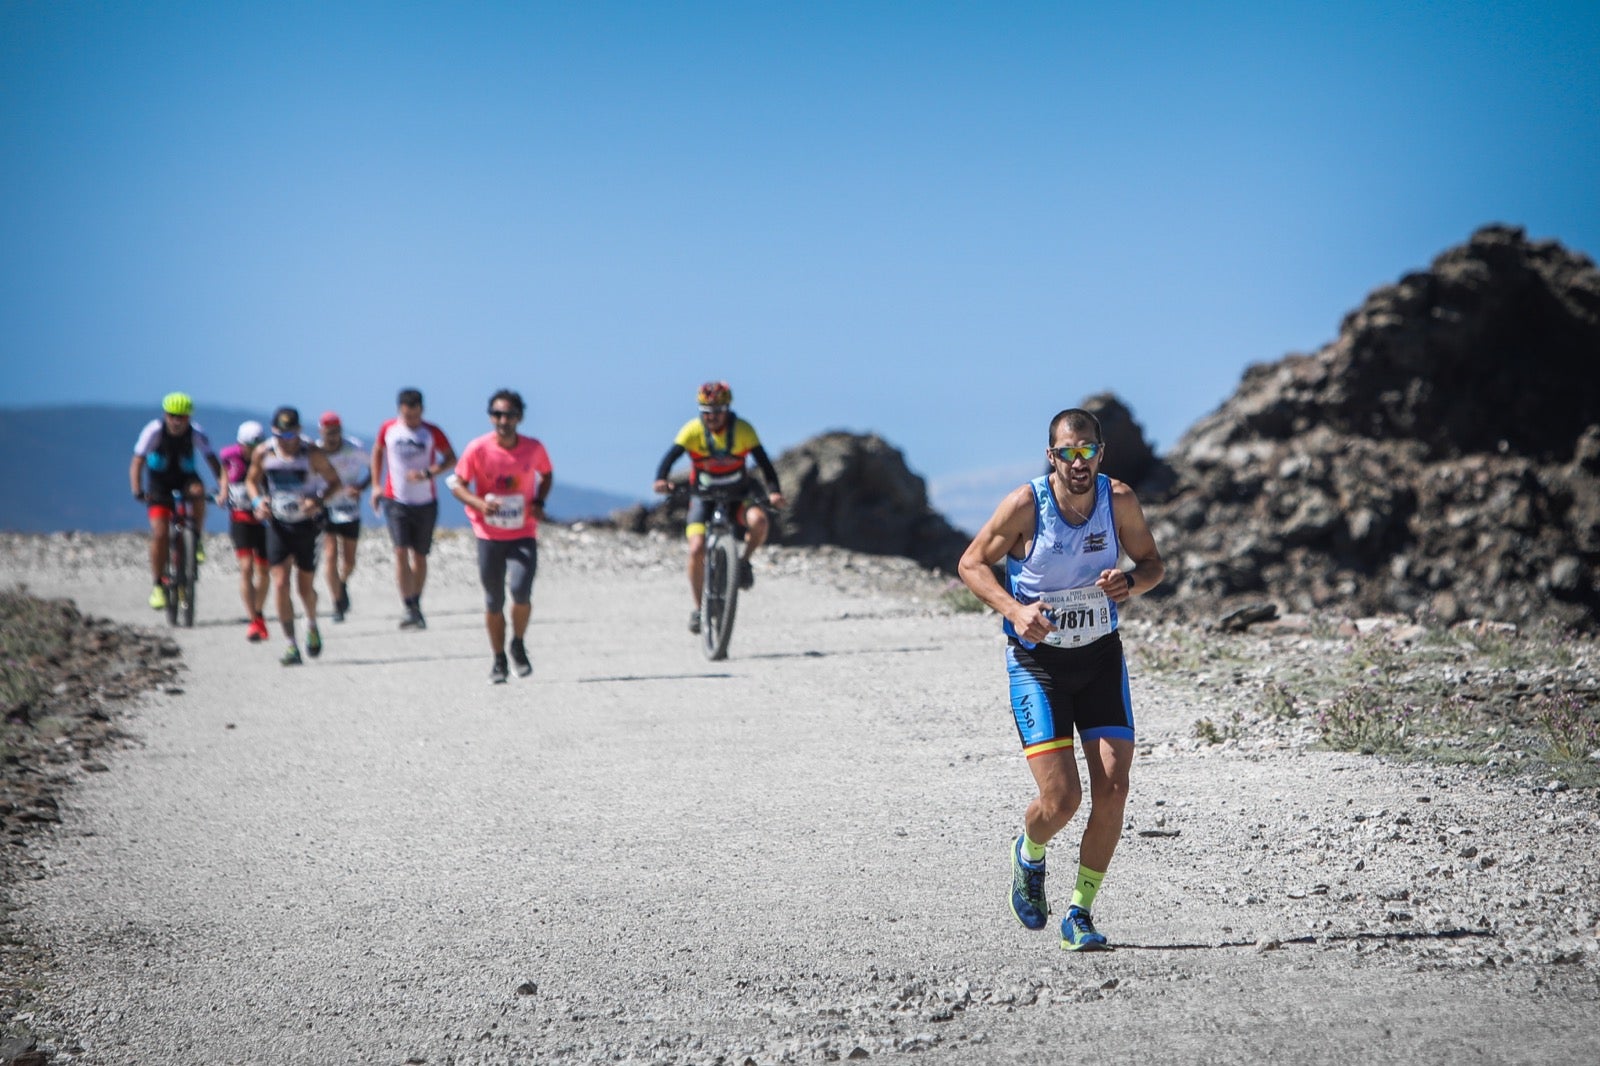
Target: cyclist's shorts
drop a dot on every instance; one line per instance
(293, 540)
(1054, 690)
(161, 490)
(347, 530)
(700, 508)
(411, 525)
(249, 538)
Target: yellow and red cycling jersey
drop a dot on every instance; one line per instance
(717, 453)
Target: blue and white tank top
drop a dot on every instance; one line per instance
(1062, 565)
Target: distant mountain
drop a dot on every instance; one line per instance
(66, 468)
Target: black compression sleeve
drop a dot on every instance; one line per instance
(672, 456)
(768, 471)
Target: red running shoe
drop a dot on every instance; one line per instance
(257, 631)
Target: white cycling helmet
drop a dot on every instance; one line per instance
(252, 432)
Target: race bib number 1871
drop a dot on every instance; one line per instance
(1081, 616)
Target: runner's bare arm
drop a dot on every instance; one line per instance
(254, 484)
(376, 474)
(1007, 530)
(1133, 533)
(134, 481)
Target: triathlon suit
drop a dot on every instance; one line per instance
(508, 539)
(411, 507)
(293, 525)
(169, 462)
(1076, 676)
(248, 534)
(718, 460)
(354, 463)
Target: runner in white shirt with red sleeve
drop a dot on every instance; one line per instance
(504, 479)
(407, 455)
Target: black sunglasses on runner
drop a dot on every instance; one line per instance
(494, 413)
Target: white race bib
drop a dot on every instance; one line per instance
(287, 506)
(239, 496)
(342, 510)
(1081, 616)
(511, 515)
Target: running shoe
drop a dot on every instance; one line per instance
(344, 600)
(291, 656)
(158, 598)
(257, 632)
(1078, 932)
(747, 575)
(413, 619)
(519, 655)
(694, 620)
(1027, 889)
(199, 552)
(313, 642)
(498, 675)
(338, 614)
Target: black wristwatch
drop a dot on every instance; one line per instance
(1127, 575)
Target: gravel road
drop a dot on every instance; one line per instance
(796, 855)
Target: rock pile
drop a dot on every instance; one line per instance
(1440, 458)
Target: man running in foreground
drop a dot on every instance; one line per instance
(342, 534)
(1060, 536)
(249, 536)
(504, 479)
(283, 484)
(165, 451)
(413, 452)
(718, 443)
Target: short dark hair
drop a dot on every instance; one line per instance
(511, 396)
(1080, 420)
(408, 397)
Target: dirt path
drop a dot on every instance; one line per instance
(796, 855)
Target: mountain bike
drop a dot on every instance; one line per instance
(183, 570)
(719, 587)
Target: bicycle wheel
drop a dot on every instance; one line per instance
(191, 571)
(719, 595)
(175, 570)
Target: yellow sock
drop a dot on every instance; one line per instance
(1031, 851)
(1087, 888)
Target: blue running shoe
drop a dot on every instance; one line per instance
(1078, 932)
(1027, 889)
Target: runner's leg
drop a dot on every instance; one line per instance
(1109, 761)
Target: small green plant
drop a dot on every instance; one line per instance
(962, 600)
(1572, 732)
(1361, 719)
(1208, 731)
(1276, 701)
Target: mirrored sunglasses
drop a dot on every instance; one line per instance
(1082, 451)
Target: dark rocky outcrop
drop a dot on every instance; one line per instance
(1440, 457)
(855, 491)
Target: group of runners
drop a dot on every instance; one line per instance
(1060, 540)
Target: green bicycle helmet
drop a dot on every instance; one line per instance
(177, 403)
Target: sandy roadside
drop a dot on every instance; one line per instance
(796, 855)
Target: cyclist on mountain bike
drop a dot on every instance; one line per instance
(164, 463)
(719, 444)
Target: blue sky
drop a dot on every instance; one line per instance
(941, 222)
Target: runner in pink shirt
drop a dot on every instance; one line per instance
(504, 479)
